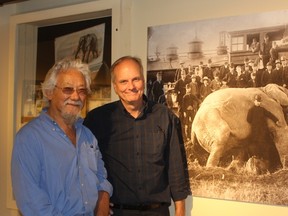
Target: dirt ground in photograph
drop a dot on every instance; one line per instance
(238, 184)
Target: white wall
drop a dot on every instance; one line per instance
(144, 13)
(4, 41)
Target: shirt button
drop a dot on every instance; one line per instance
(82, 185)
(86, 203)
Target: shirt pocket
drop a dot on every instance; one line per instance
(155, 141)
(92, 155)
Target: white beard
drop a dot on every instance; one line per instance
(69, 118)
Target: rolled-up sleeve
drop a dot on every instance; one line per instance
(178, 171)
(104, 184)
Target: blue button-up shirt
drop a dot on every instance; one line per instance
(50, 176)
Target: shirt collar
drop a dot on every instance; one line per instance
(45, 116)
(146, 108)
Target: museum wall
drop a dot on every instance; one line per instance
(144, 13)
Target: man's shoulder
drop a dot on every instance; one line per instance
(161, 109)
(100, 113)
(32, 129)
(106, 108)
(32, 125)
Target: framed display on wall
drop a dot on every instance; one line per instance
(209, 72)
(68, 40)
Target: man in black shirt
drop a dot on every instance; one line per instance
(157, 87)
(262, 144)
(142, 147)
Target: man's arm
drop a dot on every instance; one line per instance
(104, 188)
(178, 172)
(102, 206)
(25, 173)
(179, 208)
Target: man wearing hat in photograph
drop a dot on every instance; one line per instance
(284, 66)
(252, 81)
(208, 71)
(231, 76)
(195, 86)
(260, 139)
(274, 51)
(283, 61)
(224, 69)
(277, 73)
(190, 106)
(267, 75)
(179, 71)
(157, 87)
(205, 88)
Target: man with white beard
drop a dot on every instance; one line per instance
(57, 168)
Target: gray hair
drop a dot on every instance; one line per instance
(63, 65)
(124, 58)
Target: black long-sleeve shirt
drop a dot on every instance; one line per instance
(257, 116)
(144, 157)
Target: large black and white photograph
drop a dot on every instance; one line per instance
(87, 44)
(227, 80)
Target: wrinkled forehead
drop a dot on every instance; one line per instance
(70, 76)
(127, 69)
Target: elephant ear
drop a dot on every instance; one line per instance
(278, 93)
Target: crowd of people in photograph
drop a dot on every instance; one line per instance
(195, 84)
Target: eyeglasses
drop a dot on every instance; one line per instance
(71, 90)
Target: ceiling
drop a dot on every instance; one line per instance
(5, 2)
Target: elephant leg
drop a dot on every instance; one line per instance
(214, 158)
(219, 144)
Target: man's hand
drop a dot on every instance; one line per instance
(111, 211)
(102, 206)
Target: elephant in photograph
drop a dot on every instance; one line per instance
(88, 45)
(220, 124)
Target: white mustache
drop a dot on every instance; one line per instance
(76, 103)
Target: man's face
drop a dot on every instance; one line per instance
(65, 102)
(128, 82)
(238, 69)
(255, 67)
(183, 74)
(269, 67)
(159, 77)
